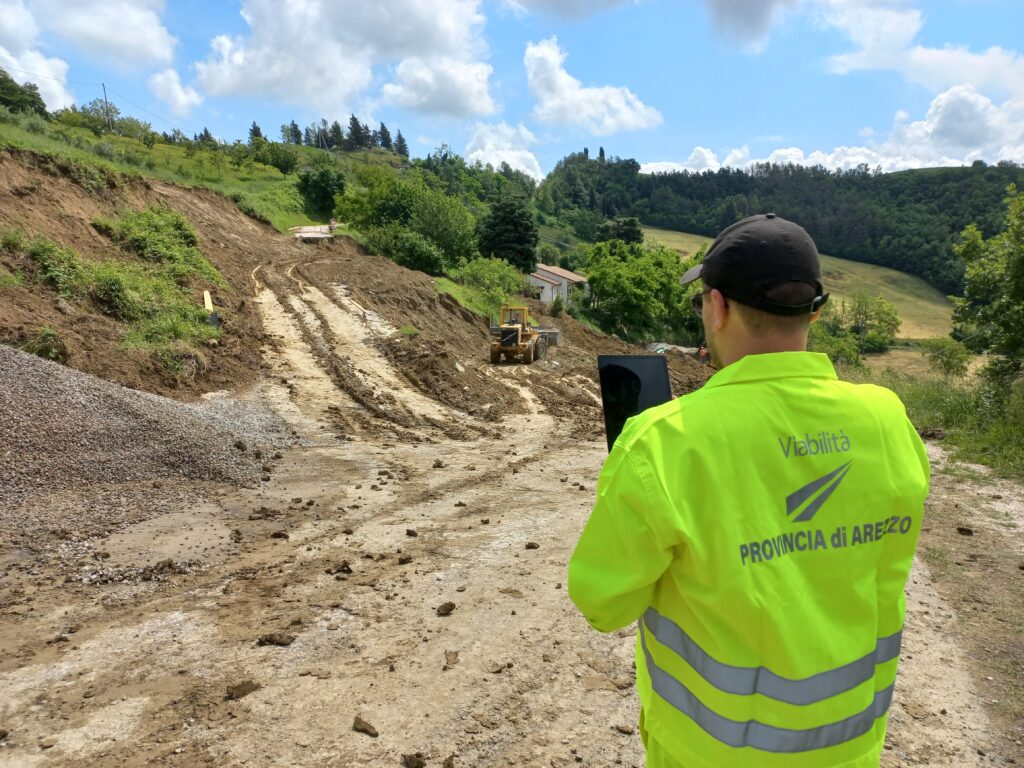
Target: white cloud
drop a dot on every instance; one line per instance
(20, 57)
(325, 54)
(960, 126)
(125, 31)
(18, 30)
(747, 21)
(445, 86)
(571, 8)
(738, 158)
(167, 87)
(563, 100)
(701, 159)
(501, 142)
(884, 33)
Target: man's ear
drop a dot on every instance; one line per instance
(720, 309)
(815, 315)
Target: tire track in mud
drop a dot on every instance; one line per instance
(336, 338)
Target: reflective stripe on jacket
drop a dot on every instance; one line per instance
(760, 531)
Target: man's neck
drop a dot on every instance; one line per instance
(761, 346)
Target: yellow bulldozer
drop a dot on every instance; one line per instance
(514, 338)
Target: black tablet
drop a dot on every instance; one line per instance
(630, 384)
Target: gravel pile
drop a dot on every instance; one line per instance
(63, 429)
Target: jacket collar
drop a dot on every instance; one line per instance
(775, 365)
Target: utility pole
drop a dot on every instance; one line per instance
(106, 108)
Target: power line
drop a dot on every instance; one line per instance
(94, 85)
(137, 106)
(51, 77)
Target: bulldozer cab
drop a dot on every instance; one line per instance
(514, 316)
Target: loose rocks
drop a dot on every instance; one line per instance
(242, 689)
(276, 638)
(445, 609)
(362, 726)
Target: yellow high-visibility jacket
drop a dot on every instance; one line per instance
(760, 530)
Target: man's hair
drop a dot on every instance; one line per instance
(761, 323)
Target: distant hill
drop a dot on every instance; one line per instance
(908, 220)
(924, 310)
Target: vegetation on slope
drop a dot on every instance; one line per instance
(155, 297)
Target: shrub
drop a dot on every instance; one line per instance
(163, 236)
(409, 330)
(410, 249)
(557, 306)
(319, 183)
(105, 150)
(48, 345)
(111, 291)
(495, 279)
(947, 356)
(8, 280)
(57, 266)
(34, 124)
(12, 241)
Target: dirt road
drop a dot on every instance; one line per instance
(405, 564)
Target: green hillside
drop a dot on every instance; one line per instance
(924, 310)
(259, 190)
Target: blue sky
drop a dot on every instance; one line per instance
(684, 83)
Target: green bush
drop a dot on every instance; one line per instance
(410, 249)
(495, 279)
(57, 266)
(105, 150)
(162, 236)
(160, 315)
(112, 291)
(983, 421)
(947, 356)
(34, 124)
(557, 306)
(48, 345)
(12, 241)
(8, 280)
(319, 183)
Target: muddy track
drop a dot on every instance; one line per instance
(395, 504)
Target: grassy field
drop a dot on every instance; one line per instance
(925, 312)
(683, 242)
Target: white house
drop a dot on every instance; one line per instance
(548, 286)
(564, 278)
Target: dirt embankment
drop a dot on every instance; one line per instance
(445, 357)
(40, 196)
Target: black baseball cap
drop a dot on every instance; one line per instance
(756, 254)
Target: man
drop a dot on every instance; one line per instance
(760, 530)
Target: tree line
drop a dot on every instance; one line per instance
(908, 220)
(333, 136)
